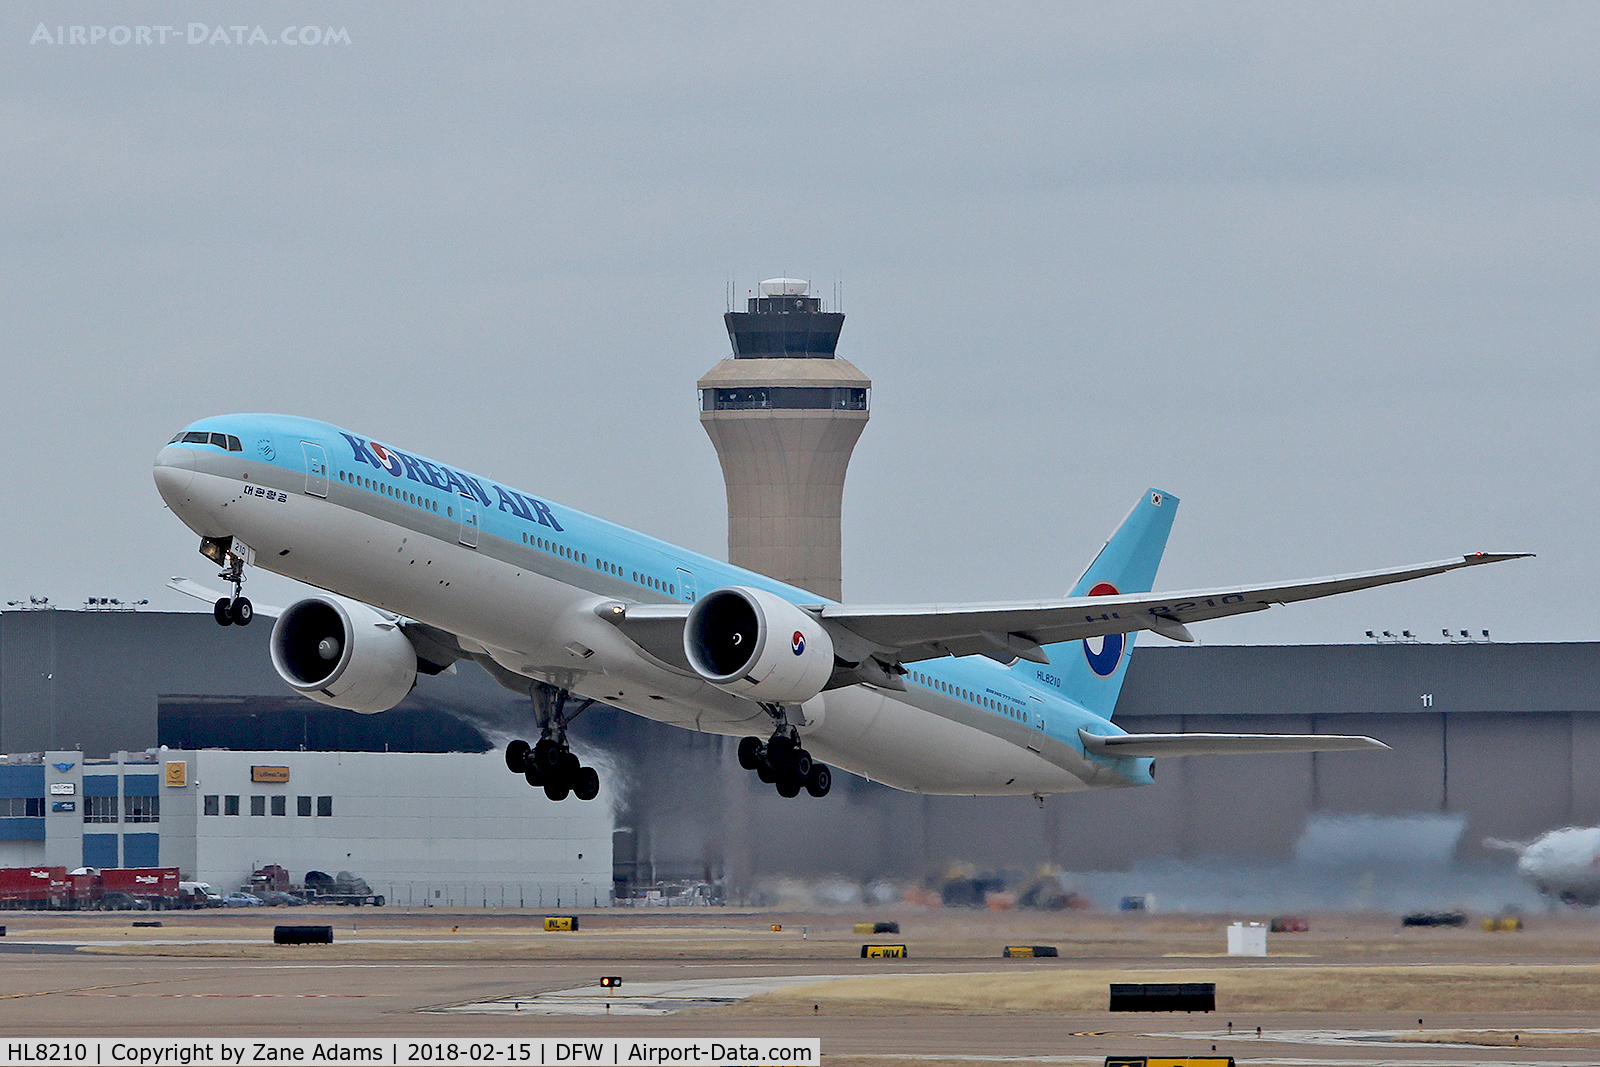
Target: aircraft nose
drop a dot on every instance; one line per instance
(174, 470)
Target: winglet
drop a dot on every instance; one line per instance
(1493, 557)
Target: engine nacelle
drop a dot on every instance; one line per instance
(341, 652)
(754, 644)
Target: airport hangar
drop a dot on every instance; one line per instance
(1506, 735)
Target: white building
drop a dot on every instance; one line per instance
(422, 828)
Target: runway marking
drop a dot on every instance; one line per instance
(90, 988)
(239, 996)
(640, 998)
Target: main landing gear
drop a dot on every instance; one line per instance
(551, 763)
(783, 763)
(237, 609)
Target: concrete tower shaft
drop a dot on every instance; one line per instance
(784, 414)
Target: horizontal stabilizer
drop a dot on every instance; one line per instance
(1167, 745)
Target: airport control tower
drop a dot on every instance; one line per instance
(784, 414)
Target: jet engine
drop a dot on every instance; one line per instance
(342, 652)
(754, 644)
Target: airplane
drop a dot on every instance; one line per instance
(425, 564)
(1563, 864)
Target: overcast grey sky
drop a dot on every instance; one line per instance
(1327, 272)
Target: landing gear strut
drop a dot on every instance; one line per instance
(237, 609)
(551, 763)
(783, 763)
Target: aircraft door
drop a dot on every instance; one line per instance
(1036, 720)
(686, 585)
(469, 522)
(316, 469)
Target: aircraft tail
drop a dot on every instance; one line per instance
(1091, 671)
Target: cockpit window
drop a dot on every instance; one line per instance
(225, 441)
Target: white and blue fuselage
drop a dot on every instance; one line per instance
(518, 578)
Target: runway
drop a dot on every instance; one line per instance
(1356, 991)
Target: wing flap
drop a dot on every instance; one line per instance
(1168, 745)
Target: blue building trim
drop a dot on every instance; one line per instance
(21, 829)
(100, 850)
(99, 785)
(141, 785)
(21, 781)
(141, 850)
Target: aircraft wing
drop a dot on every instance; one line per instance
(1008, 631)
(437, 650)
(1222, 744)
(190, 587)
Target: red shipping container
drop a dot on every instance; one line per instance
(26, 885)
(141, 881)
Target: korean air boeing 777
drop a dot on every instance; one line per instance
(426, 564)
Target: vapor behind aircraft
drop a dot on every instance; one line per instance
(426, 564)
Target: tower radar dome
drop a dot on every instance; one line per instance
(784, 287)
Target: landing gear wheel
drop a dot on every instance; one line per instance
(517, 756)
(567, 768)
(547, 754)
(788, 786)
(242, 611)
(534, 776)
(820, 781)
(222, 613)
(800, 765)
(556, 790)
(750, 752)
(587, 784)
(766, 773)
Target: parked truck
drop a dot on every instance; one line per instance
(35, 888)
(89, 889)
(343, 888)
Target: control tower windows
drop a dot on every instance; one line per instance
(783, 398)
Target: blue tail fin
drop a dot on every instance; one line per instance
(1091, 671)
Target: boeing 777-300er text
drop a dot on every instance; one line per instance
(426, 564)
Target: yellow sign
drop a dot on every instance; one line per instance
(1014, 951)
(561, 922)
(177, 774)
(271, 775)
(864, 928)
(883, 952)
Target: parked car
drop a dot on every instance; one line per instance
(123, 902)
(198, 895)
(273, 898)
(241, 900)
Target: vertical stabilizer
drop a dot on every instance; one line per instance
(1091, 671)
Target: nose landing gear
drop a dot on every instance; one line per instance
(232, 554)
(781, 762)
